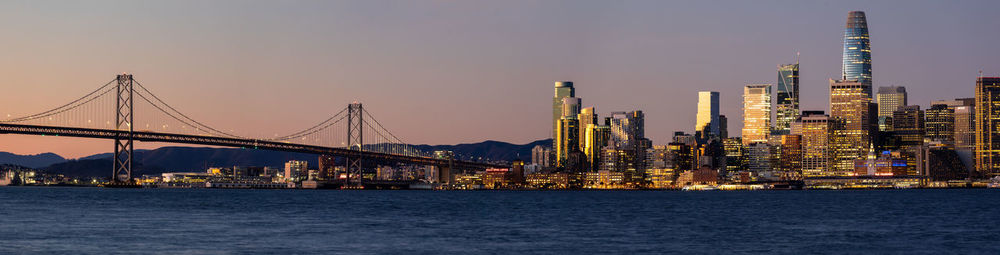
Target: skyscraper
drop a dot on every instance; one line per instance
(707, 121)
(962, 128)
(940, 124)
(587, 117)
(756, 113)
(889, 99)
(568, 130)
(850, 107)
(787, 101)
(627, 128)
(564, 89)
(987, 126)
(857, 62)
(908, 124)
(816, 129)
(595, 139)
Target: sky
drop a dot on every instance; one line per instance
(447, 72)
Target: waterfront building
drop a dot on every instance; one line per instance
(857, 57)
(756, 113)
(327, 167)
(886, 164)
(987, 129)
(789, 163)
(707, 119)
(816, 129)
(496, 178)
(547, 180)
(940, 123)
(851, 108)
(702, 176)
(787, 99)
(296, 170)
(563, 89)
(889, 99)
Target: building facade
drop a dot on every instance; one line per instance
(851, 108)
(889, 99)
(563, 89)
(987, 121)
(787, 98)
(756, 113)
(857, 61)
(707, 120)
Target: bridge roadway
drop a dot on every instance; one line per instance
(147, 136)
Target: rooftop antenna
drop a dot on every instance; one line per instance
(796, 57)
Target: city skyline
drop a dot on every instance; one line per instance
(665, 98)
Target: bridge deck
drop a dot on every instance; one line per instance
(147, 136)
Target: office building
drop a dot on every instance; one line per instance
(787, 99)
(707, 120)
(940, 124)
(595, 139)
(987, 126)
(586, 117)
(857, 58)
(563, 89)
(816, 130)
(851, 108)
(908, 125)
(889, 99)
(756, 113)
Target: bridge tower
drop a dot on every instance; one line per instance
(355, 141)
(123, 141)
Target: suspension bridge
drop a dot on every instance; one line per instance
(125, 111)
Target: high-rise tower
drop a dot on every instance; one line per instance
(889, 100)
(857, 65)
(707, 121)
(564, 89)
(756, 113)
(787, 101)
(987, 129)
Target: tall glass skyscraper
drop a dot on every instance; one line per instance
(564, 89)
(756, 113)
(787, 103)
(707, 120)
(857, 50)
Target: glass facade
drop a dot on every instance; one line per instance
(787, 100)
(563, 89)
(707, 120)
(756, 113)
(857, 49)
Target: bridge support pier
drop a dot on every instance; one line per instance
(123, 157)
(355, 141)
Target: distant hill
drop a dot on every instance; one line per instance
(196, 159)
(490, 149)
(32, 161)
